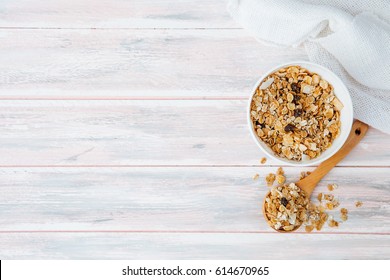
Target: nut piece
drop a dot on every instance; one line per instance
(329, 197)
(296, 113)
(280, 179)
(280, 171)
(270, 179)
(337, 104)
(332, 187)
(344, 214)
(309, 228)
(324, 84)
(256, 176)
(267, 83)
(329, 206)
(315, 79)
(304, 174)
(317, 216)
(263, 160)
(358, 204)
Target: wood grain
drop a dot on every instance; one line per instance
(192, 246)
(159, 132)
(124, 136)
(115, 14)
(173, 199)
(135, 64)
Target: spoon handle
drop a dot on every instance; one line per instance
(357, 133)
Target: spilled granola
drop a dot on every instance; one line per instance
(344, 214)
(270, 179)
(358, 204)
(287, 207)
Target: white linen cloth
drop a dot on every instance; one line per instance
(350, 37)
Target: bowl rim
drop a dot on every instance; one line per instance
(307, 65)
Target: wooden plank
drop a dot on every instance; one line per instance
(173, 199)
(115, 14)
(94, 64)
(147, 132)
(192, 246)
(132, 13)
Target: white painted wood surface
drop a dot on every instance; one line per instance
(161, 245)
(173, 199)
(123, 135)
(133, 64)
(115, 14)
(142, 132)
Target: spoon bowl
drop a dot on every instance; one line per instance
(309, 183)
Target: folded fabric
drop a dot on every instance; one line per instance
(352, 38)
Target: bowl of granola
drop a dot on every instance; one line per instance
(300, 113)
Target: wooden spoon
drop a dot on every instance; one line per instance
(308, 183)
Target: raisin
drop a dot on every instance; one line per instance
(295, 87)
(296, 98)
(298, 113)
(259, 124)
(289, 128)
(284, 201)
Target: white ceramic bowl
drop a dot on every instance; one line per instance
(346, 114)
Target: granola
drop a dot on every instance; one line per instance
(296, 113)
(279, 177)
(286, 207)
(304, 174)
(270, 179)
(280, 171)
(317, 216)
(333, 223)
(358, 204)
(332, 187)
(344, 214)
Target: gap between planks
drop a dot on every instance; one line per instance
(193, 231)
(181, 166)
(117, 28)
(97, 98)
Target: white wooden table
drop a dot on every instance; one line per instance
(123, 136)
